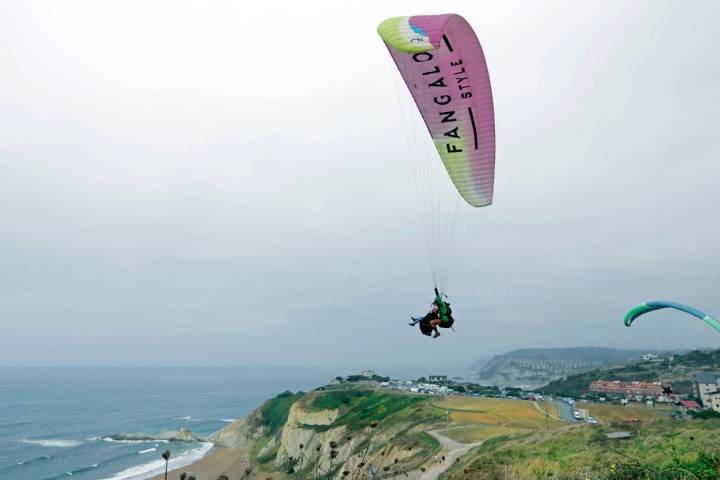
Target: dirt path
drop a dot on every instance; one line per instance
(451, 449)
(545, 412)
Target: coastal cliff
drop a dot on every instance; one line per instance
(335, 430)
(343, 432)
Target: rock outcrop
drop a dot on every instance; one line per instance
(182, 435)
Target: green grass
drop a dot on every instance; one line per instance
(606, 412)
(516, 440)
(478, 433)
(429, 441)
(661, 450)
(332, 400)
(358, 408)
(514, 414)
(274, 412)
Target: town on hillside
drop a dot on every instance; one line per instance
(702, 399)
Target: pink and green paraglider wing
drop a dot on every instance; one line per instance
(443, 65)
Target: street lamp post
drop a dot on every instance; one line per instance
(166, 457)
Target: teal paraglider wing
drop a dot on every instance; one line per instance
(653, 305)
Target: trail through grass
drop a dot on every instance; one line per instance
(513, 414)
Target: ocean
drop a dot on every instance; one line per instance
(57, 423)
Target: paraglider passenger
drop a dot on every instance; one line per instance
(439, 316)
(429, 317)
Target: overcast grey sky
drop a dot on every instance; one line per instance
(218, 183)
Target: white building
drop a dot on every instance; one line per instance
(715, 401)
(706, 384)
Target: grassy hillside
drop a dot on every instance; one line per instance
(274, 413)
(607, 413)
(662, 450)
(358, 408)
(477, 419)
(678, 372)
(294, 435)
(324, 432)
(294, 431)
(496, 412)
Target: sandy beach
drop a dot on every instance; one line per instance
(230, 462)
(227, 461)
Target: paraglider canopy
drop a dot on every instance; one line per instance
(443, 65)
(653, 305)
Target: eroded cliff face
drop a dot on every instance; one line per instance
(297, 426)
(300, 415)
(306, 427)
(313, 429)
(240, 433)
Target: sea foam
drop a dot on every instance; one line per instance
(147, 440)
(157, 467)
(57, 443)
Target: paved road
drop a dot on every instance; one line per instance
(566, 411)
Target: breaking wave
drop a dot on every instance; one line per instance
(130, 441)
(156, 467)
(25, 462)
(55, 443)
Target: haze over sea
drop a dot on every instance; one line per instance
(55, 422)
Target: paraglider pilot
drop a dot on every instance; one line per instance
(440, 315)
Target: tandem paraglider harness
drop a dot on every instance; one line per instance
(426, 328)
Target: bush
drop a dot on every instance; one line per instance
(705, 414)
(275, 412)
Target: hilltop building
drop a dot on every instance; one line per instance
(368, 374)
(645, 389)
(437, 378)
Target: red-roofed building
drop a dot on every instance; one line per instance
(645, 389)
(689, 405)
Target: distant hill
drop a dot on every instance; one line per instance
(678, 372)
(534, 367)
(480, 362)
